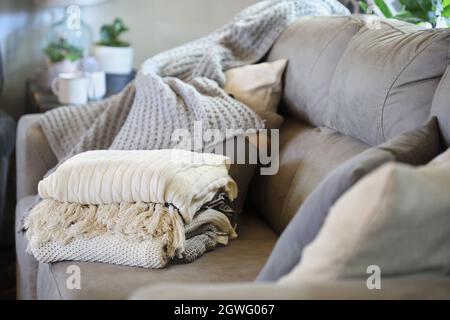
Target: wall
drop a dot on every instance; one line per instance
(155, 25)
(19, 40)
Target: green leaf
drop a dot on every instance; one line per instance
(118, 26)
(423, 9)
(426, 5)
(445, 3)
(446, 12)
(384, 8)
(110, 33)
(408, 17)
(62, 50)
(417, 5)
(363, 6)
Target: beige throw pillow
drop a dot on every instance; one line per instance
(259, 86)
(397, 219)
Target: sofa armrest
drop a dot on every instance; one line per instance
(34, 157)
(401, 288)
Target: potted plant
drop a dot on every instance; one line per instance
(61, 57)
(114, 55)
(424, 12)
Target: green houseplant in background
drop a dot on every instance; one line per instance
(62, 50)
(61, 57)
(413, 11)
(114, 55)
(110, 34)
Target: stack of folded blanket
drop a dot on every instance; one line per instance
(138, 208)
(146, 208)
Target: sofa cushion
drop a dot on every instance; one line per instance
(415, 147)
(259, 87)
(385, 82)
(395, 219)
(409, 288)
(307, 155)
(241, 260)
(313, 47)
(27, 265)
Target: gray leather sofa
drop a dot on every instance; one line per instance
(378, 78)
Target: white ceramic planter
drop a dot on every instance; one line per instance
(114, 60)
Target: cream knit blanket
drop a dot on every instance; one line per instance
(137, 206)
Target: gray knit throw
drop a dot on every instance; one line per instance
(176, 88)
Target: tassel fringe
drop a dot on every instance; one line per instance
(51, 220)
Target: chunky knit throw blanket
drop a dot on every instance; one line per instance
(139, 208)
(176, 88)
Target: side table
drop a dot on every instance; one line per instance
(40, 100)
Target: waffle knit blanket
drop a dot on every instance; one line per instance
(139, 208)
(179, 87)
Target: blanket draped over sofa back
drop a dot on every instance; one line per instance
(182, 86)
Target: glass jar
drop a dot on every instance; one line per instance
(71, 30)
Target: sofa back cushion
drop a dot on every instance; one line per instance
(385, 82)
(313, 47)
(307, 155)
(369, 80)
